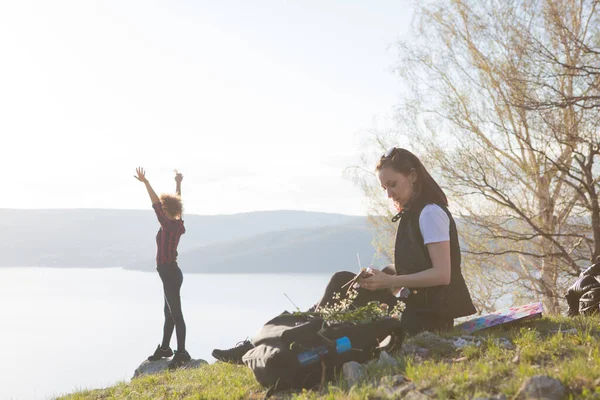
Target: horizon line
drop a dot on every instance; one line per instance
(202, 215)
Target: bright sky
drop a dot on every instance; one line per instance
(261, 104)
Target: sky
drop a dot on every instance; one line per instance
(261, 105)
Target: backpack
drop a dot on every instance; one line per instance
(583, 297)
(275, 358)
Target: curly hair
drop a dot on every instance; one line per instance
(172, 204)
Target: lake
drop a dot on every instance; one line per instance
(70, 329)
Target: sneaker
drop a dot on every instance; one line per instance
(235, 354)
(161, 353)
(180, 358)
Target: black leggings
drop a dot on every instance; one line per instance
(172, 278)
(413, 321)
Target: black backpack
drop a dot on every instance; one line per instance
(583, 297)
(274, 359)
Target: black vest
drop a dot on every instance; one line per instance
(411, 256)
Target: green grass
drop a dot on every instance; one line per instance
(214, 381)
(489, 369)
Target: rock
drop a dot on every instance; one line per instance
(457, 342)
(408, 348)
(411, 349)
(464, 341)
(392, 381)
(353, 372)
(385, 360)
(422, 352)
(495, 397)
(404, 390)
(155, 367)
(517, 358)
(504, 343)
(541, 387)
(415, 395)
(396, 392)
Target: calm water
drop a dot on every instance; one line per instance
(69, 329)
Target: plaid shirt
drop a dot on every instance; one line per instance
(168, 236)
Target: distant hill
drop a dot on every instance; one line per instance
(325, 249)
(126, 238)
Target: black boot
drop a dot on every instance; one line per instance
(161, 353)
(180, 358)
(233, 355)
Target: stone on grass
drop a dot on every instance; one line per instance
(353, 372)
(385, 360)
(155, 367)
(504, 343)
(495, 397)
(392, 381)
(541, 387)
(415, 395)
(396, 392)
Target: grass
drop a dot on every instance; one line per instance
(541, 348)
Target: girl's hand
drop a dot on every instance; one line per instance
(178, 176)
(378, 280)
(141, 175)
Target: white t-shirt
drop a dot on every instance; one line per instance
(434, 224)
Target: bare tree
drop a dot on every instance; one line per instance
(574, 24)
(576, 54)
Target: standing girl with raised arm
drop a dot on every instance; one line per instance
(168, 210)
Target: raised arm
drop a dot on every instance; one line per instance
(178, 179)
(141, 176)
